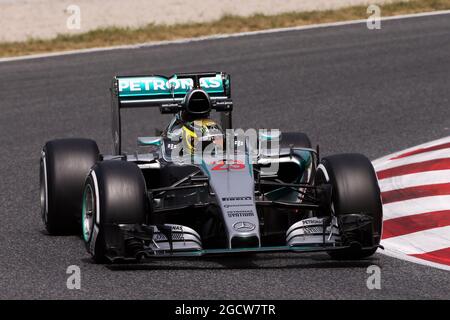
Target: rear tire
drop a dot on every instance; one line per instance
(114, 193)
(355, 190)
(64, 166)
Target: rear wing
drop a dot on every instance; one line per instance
(167, 93)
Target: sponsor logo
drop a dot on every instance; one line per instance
(236, 198)
(155, 84)
(238, 205)
(244, 226)
(312, 221)
(177, 228)
(245, 213)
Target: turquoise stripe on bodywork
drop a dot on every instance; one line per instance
(249, 163)
(205, 168)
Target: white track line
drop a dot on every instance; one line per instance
(415, 206)
(420, 242)
(421, 146)
(414, 180)
(431, 155)
(220, 36)
(399, 255)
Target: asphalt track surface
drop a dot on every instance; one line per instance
(350, 89)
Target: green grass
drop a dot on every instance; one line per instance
(227, 24)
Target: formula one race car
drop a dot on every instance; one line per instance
(200, 187)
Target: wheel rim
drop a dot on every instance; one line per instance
(43, 190)
(88, 212)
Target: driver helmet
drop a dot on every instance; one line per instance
(199, 134)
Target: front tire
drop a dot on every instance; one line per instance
(355, 190)
(114, 193)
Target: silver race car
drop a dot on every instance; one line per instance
(200, 187)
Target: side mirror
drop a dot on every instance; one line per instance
(170, 108)
(149, 141)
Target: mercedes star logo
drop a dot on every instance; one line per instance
(244, 226)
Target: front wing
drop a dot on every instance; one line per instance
(136, 242)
